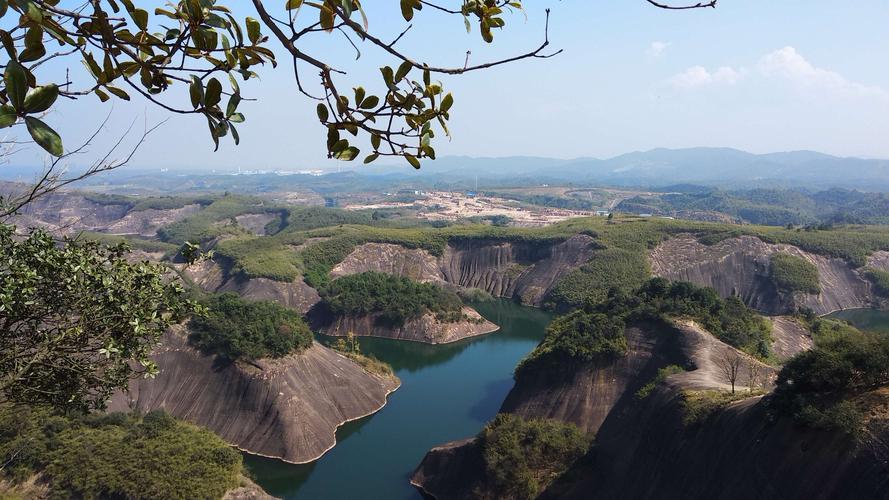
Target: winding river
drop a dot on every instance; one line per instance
(448, 392)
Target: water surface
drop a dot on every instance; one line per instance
(873, 320)
(447, 392)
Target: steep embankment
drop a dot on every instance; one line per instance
(287, 408)
(526, 270)
(426, 328)
(584, 396)
(648, 450)
(594, 396)
(214, 277)
(740, 266)
(71, 212)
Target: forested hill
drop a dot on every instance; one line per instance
(773, 207)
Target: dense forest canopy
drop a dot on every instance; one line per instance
(236, 328)
(392, 299)
(115, 455)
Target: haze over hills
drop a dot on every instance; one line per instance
(724, 167)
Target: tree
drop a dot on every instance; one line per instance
(198, 44)
(730, 363)
(77, 321)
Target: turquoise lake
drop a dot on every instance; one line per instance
(447, 392)
(866, 319)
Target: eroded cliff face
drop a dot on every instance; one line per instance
(423, 329)
(586, 395)
(287, 408)
(524, 270)
(740, 266)
(741, 452)
(69, 212)
(595, 397)
(213, 277)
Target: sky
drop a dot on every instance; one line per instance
(757, 75)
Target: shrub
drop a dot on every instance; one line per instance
(116, 455)
(880, 281)
(597, 330)
(662, 375)
(235, 328)
(816, 386)
(698, 406)
(523, 456)
(394, 299)
(791, 274)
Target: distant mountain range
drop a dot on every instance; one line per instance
(655, 169)
(723, 167)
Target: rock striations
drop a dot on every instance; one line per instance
(740, 266)
(286, 408)
(525, 270)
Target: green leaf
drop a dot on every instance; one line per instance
(33, 45)
(7, 116)
(233, 103)
(214, 93)
(43, 135)
(293, 4)
(446, 103)
(412, 160)
(196, 92)
(347, 154)
(403, 70)
(371, 158)
(236, 117)
(140, 17)
(253, 30)
(16, 84)
(323, 114)
(388, 76)
(370, 103)
(120, 93)
(41, 98)
(375, 141)
(407, 10)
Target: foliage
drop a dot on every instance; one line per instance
(815, 386)
(698, 406)
(608, 269)
(662, 375)
(151, 246)
(393, 299)
(522, 457)
(236, 328)
(475, 295)
(880, 281)
(215, 220)
(78, 320)
(116, 455)
(202, 51)
(791, 274)
(596, 331)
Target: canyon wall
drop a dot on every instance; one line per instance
(426, 328)
(286, 408)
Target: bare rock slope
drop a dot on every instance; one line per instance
(740, 266)
(287, 408)
(525, 270)
(213, 277)
(423, 329)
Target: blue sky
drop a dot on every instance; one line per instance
(758, 75)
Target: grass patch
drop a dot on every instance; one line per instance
(698, 406)
(792, 274)
(662, 375)
(879, 279)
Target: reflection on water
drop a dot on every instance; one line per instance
(873, 320)
(448, 392)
